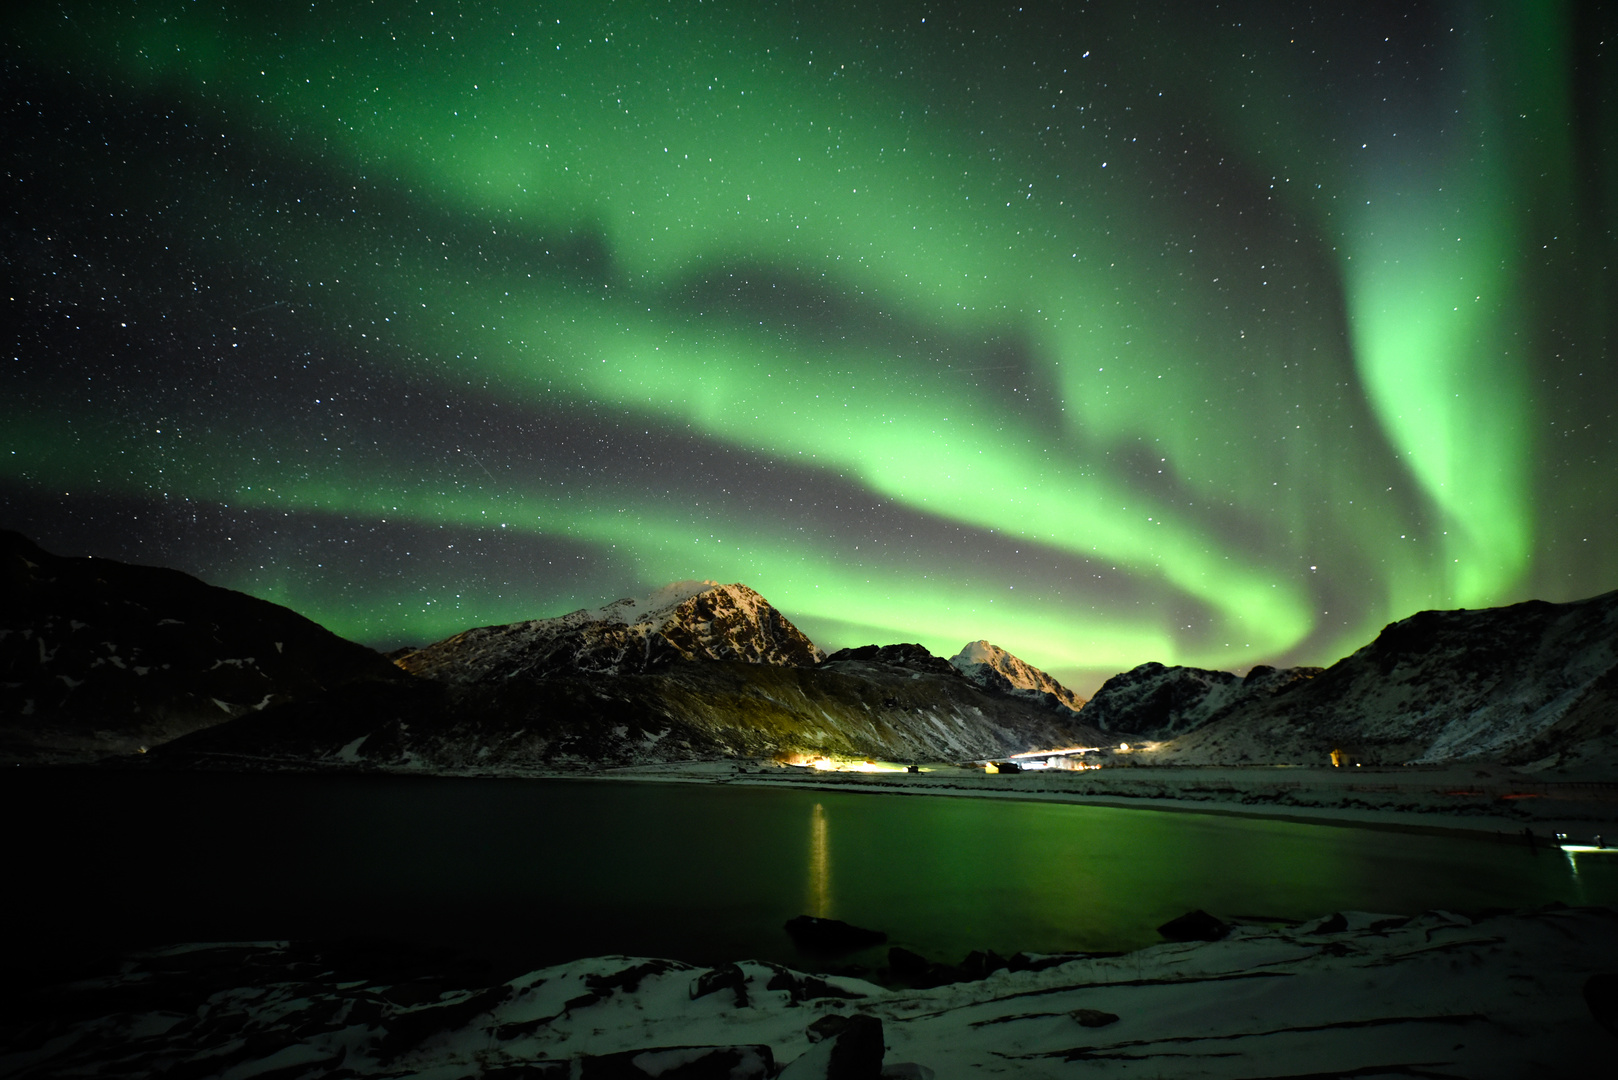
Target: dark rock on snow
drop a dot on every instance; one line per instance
(831, 935)
(1601, 995)
(751, 1062)
(1195, 926)
(1094, 1017)
(853, 1052)
(725, 977)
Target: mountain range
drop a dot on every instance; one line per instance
(1530, 684)
(696, 670)
(103, 658)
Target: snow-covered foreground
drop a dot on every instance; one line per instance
(1351, 994)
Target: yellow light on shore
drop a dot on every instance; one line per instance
(831, 764)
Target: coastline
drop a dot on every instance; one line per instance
(1520, 993)
(1408, 800)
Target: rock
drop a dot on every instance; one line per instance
(750, 1062)
(905, 655)
(726, 977)
(907, 964)
(831, 935)
(1093, 1017)
(854, 1053)
(805, 987)
(1335, 923)
(535, 1070)
(857, 1052)
(980, 965)
(1601, 995)
(906, 1070)
(924, 974)
(827, 1027)
(1194, 926)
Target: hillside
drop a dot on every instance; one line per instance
(102, 657)
(1530, 683)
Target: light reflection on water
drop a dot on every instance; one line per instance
(536, 872)
(819, 864)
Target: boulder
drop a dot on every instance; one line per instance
(1194, 926)
(1601, 995)
(725, 977)
(814, 934)
(854, 1053)
(1093, 1017)
(982, 964)
(750, 1062)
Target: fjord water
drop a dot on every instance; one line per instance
(529, 872)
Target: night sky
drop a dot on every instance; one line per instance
(1112, 332)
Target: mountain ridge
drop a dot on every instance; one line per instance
(99, 656)
(995, 669)
(1534, 682)
(102, 657)
(685, 620)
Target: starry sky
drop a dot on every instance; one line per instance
(1202, 333)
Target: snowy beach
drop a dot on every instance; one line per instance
(1352, 994)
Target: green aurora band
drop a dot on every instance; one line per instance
(1319, 367)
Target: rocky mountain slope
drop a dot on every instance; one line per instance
(1157, 702)
(688, 620)
(99, 656)
(1533, 682)
(103, 658)
(997, 671)
(679, 710)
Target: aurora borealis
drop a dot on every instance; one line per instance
(1208, 334)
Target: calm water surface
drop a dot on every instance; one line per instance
(535, 872)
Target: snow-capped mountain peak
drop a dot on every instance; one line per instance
(993, 668)
(685, 620)
(653, 610)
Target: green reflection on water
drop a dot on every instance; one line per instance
(945, 875)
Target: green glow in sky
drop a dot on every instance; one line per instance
(1123, 357)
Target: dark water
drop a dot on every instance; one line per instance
(532, 872)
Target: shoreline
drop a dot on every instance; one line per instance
(1472, 800)
(1406, 808)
